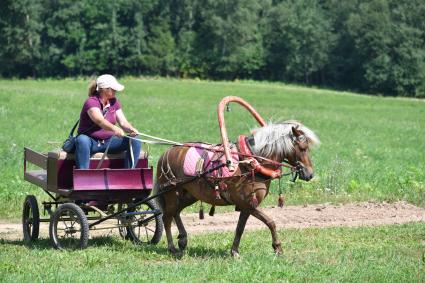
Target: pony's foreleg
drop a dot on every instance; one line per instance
(243, 217)
(272, 226)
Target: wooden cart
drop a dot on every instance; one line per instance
(84, 199)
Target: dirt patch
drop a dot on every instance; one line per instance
(320, 215)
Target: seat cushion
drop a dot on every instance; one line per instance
(61, 155)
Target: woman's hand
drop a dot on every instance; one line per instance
(133, 132)
(118, 132)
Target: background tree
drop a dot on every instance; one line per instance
(20, 28)
(160, 45)
(374, 46)
(299, 41)
(228, 42)
(344, 67)
(182, 19)
(390, 49)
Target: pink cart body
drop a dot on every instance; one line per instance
(110, 183)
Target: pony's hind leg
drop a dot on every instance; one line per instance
(184, 199)
(243, 217)
(272, 226)
(168, 213)
(167, 219)
(182, 237)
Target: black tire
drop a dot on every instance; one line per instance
(69, 228)
(145, 233)
(30, 219)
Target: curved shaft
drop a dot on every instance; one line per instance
(222, 124)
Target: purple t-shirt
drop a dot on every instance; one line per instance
(88, 127)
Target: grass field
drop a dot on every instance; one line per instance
(372, 147)
(381, 254)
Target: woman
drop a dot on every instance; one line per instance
(98, 131)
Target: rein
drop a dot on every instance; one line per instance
(252, 158)
(243, 151)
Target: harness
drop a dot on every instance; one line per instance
(219, 184)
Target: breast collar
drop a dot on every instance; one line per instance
(245, 145)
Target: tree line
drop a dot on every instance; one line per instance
(373, 46)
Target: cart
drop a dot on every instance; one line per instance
(90, 199)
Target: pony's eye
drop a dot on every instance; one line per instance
(302, 139)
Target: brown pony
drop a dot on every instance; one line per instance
(288, 141)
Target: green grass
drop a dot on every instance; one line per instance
(372, 147)
(393, 253)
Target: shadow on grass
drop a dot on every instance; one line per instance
(46, 244)
(118, 244)
(196, 252)
(40, 244)
(201, 252)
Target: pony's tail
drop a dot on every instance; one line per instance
(157, 188)
(160, 199)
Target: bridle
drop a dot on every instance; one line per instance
(299, 166)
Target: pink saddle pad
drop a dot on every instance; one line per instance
(195, 153)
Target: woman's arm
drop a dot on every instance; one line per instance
(122, 121)
(97, 117)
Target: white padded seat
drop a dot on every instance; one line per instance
(61, 155)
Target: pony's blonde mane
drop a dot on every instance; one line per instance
(276, 140)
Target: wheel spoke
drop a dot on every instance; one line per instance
(150, 229)
(147, 235)
(64, 222)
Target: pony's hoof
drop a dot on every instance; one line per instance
(182, 244)
(176, 253)
(173, 250)
(235, 254)
(278, 249)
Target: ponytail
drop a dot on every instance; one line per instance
(92, 88)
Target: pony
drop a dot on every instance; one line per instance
(269, 146)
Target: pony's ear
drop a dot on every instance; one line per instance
(296, 132)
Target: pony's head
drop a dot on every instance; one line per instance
(288, 141)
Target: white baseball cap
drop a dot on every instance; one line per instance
(108, 81)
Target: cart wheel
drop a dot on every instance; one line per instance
(149, 232)
(30, 219)
(69, 228)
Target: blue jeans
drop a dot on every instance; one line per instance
(86, 146)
